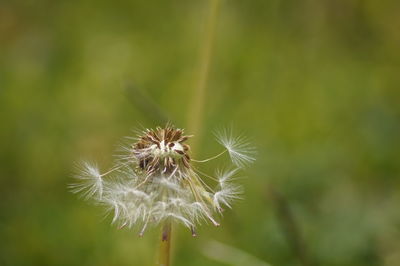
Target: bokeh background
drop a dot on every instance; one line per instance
(314, 84)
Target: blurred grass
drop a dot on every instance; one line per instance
(314, 83)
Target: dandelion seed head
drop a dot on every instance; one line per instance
(154, 181)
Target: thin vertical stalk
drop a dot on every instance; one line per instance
(196, 109)
(165, 245)
(195, 118)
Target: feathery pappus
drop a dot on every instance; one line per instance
(156, 180)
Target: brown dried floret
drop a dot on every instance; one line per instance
(162, 149)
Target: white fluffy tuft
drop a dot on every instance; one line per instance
(238, 147)
(90, 182)
(226, 195)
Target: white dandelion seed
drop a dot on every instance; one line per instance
(238, 147)
(226, 195)
(153, 181)
(226, 175)
(90, 182)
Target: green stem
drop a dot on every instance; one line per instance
(165, 245)
(195, 118)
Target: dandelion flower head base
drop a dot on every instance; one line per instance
(154, 181)
(162, 150)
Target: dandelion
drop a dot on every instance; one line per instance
(155, 181)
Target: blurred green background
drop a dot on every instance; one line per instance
(314, 83)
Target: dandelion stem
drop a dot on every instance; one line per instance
(165, 245)
(112, 170)
(209, 159)
(195, 118)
